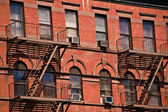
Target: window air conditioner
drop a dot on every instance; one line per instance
(75, 97)
(107, 99)
(103, 43)
(74, 40)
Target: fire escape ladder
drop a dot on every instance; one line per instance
(144, 98)
(35, 88)
(59, 107)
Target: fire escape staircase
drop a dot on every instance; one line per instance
(36, 88)
(155, 66)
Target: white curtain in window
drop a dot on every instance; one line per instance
(100, 22)
(16, 11)
(44, 15)
(71, 19)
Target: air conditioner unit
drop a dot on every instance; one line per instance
(108, 99)
(103, 43)
(75, 97)
(74, 40)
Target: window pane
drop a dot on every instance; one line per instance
(17, 28)
(148, 29)
(19, 75)
(44, 15)
(100, 36)
(155, 93)
(124, 42)
(77, 91)
(100, 22)
(72, 32)
(130, 89)
(48, 77)
(100, 26)
(105, 83)
(45, 32)
(16, 11)
(71, 19)
(154, 100)
(105, 93)
(148, 45)
(75, 81)
(124, 26)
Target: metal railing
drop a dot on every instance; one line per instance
(36, 31)
(50, 90)
(142, 44)
(129, 98)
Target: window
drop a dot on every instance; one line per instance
(20, 79)
(167, 30)
(16, 17)
(130, 88)
(149, 39)
(71, 23)
(75, 81)
(105, 83)
(49, 88)
(125, 33)
(45, 23)
(154, 93)
(101, 27)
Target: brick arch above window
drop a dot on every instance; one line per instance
(99, 66)
(26, 60)
(75, 62)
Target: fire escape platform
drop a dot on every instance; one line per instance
(39, 99)
(37, 41)
(141, 53)
(149, 107)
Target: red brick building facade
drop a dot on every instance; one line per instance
(83, 55)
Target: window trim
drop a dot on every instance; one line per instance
(23, 17)
(81, 82)
(130, 31)
(106, 26)
(153, 38)
(50, 25)
(20, 82)
(54, 79)
(100, 77)
(132, 92)
(77, 22)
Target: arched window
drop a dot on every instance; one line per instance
(20, 79)
(154, 93)
(75, 81)
(49, 87)
(105, 83)
(130, 88)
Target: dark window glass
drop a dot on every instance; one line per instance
(49, 88)
(154, 93)
(16, 17)
(71, 23)
(101, 27)
(167, 30)
(148, 31)
(20, 79)
(105, 83)
(130, 88)
(45, 23)
(125, 33)
(75, 81)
